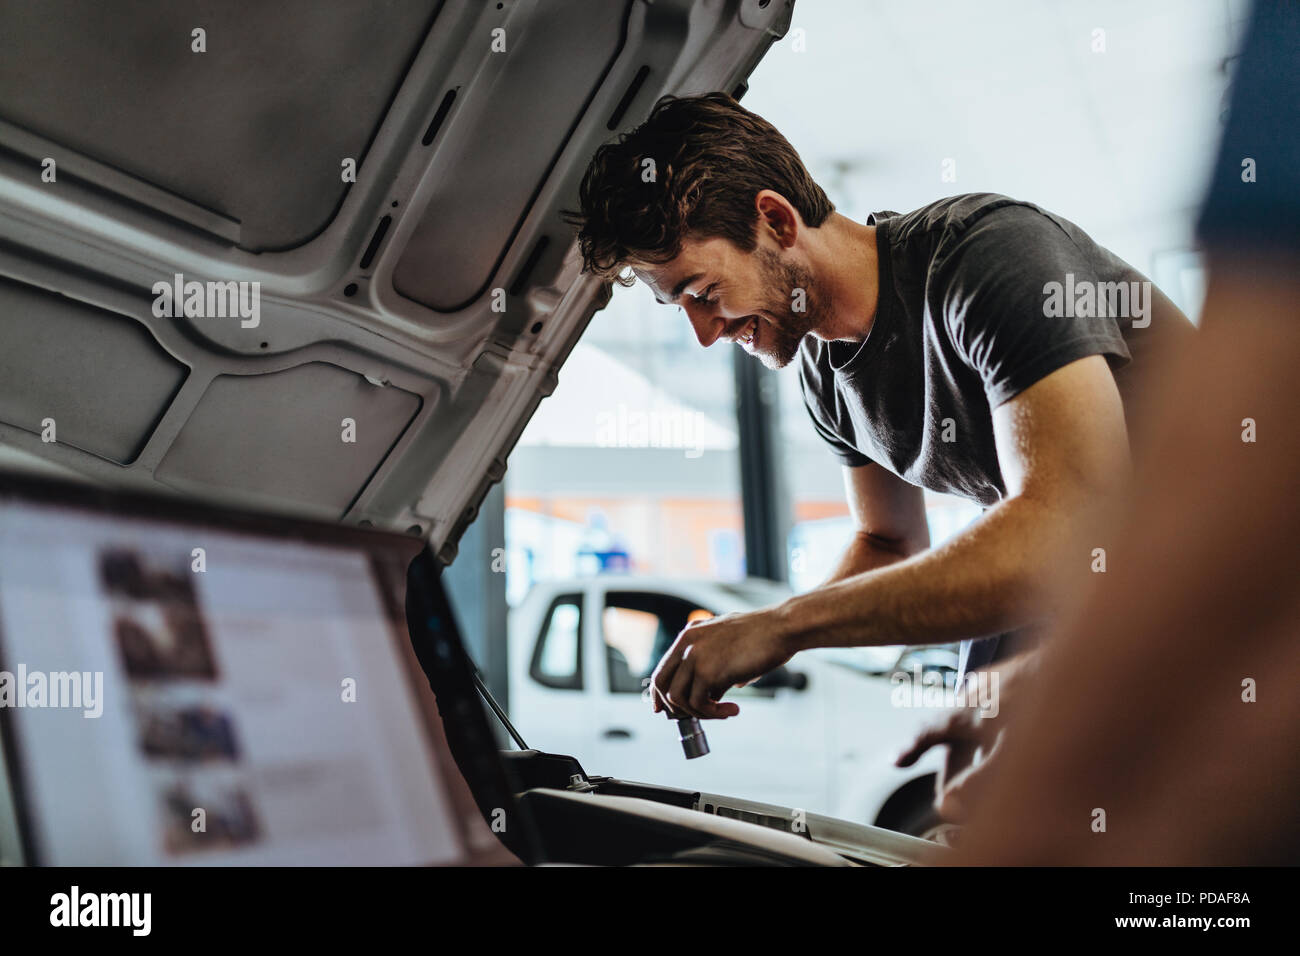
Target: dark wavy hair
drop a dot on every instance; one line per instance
(711, 156)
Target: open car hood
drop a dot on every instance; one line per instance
(403, 326)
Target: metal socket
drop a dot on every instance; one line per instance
(694, 743)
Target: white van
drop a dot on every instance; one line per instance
(820, 733)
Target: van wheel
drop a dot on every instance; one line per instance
(910, 810)
(927, 825)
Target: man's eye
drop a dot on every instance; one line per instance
(704, 297)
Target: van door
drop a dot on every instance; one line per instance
(552, 705)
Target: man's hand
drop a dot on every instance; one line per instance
(966, 731)
(710, 657)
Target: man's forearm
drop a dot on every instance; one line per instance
(990, 578)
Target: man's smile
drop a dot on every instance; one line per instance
(748, 336)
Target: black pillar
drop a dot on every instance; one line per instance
(763, 498)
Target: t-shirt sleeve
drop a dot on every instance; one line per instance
(819, 398)
(1006, 319)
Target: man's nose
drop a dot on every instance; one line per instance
(708, 326)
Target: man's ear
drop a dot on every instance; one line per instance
(777, 217)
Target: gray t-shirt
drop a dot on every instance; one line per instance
(980, 297)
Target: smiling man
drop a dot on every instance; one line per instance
(977, 346)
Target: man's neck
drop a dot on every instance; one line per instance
(848, 269)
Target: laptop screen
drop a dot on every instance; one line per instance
(187, 692)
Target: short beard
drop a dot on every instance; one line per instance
(787, 327)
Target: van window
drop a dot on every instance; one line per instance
(638, 628)
(557, 658)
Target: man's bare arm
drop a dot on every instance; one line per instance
(889, 519)
(1063, 448)
(1064, 452)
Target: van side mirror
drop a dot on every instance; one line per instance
(782, 677)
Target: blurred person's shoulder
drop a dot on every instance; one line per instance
(1253, 201)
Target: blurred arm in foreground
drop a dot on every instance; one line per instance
(1168, 711)
(1171, 703)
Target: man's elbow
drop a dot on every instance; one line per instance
(898, 546)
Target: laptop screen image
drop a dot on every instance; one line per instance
(181, 692)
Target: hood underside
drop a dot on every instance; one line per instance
(308, 257)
